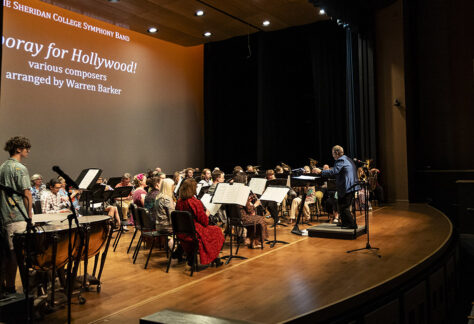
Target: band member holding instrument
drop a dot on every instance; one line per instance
(124, 202)
(51, 200)
(13, 174)
(249, 217)
(346, 181)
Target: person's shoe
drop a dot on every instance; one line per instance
(125, 228)
(217, 262)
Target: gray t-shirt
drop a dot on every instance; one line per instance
(15, 175)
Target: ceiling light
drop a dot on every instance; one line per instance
(152, 30)
(199, 13)
(207, 34)
(322, 11)
(114, 0)
(266, 23)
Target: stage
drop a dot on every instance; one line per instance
(275, 284)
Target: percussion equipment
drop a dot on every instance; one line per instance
(50, 242)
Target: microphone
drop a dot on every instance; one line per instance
(360, 162)
(69, 181)
(11, 191)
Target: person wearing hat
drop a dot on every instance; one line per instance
(37, 187)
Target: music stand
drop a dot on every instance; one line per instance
(114, 181)
(86, 180)
(365, 185)
(278, 182)
(121, 192)
(303, 181)
(275, 217)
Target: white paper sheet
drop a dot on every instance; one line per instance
(257, 185)
(88, 178)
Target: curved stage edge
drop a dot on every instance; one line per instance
(309, 280)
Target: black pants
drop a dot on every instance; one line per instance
(272, 207)
(345, 202)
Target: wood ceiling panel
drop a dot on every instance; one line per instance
(178, 24)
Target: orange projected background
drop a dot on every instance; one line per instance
(91, 94)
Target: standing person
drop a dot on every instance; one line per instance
(15, 175)
(346, 182)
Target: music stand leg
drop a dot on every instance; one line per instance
(232, 256)
(366, 214)
(275, 241)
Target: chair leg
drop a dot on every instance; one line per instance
(117, 238)
(137, 249)
(171, 255)
(151, 249)
(261, 237)
(238, 239)
(133, 237)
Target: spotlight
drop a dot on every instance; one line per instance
(322, 11)
(199, 13)
(152, 30)
(345, 25)
(339, 22)
(266, 23)
(207, 34)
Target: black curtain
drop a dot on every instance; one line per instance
(282, 96)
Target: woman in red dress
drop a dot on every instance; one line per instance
(210, 237)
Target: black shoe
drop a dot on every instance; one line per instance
(217, 262)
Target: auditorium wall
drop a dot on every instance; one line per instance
(390, 87)
(91, 94)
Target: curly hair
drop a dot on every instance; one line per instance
(17, 142)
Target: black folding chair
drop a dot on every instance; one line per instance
(183, 223)
(138, 225)
(148, 231)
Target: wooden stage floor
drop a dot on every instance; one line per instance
(272, 285)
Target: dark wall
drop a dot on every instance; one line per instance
(440, 96)
(284, 99)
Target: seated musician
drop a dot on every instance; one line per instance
(139, 181)
(176, 177)
(124, 202)
(189, 173)
(75, 194)
(310, 199)
(251, 170)
(154, 185)
(279, 169)
(112, 211)
(51, 202)
(164, 205)
(249, 217)
(361, 195)
(272, 206)
(218, 177)
(210, 237)
(37, 187)
(206, 180)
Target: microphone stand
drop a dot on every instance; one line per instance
(70, 218)
(365, 184)
(29, 230)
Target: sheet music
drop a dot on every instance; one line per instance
(178, 185)
(257, 185)
(198, 188)
(226, 193)
(304, 177)
(88, 178)
(212, 208)
(276, 194)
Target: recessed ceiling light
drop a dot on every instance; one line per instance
(207, 34)
(322, 11)
(152, 30)
(266, 23)
(199, 13)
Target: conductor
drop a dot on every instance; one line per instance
(346, 182)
